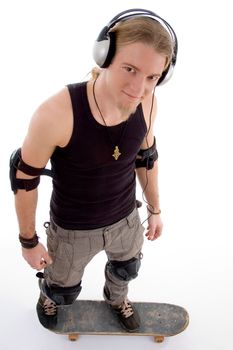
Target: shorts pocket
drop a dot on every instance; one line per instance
(127, 240)
(62, 262)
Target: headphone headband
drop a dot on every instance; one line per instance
(105, 46)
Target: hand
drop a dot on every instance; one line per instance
(155, 227)
(37, 257)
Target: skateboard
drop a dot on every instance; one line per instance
(94, 317)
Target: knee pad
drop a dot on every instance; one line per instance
(124, 270)
(63, 295)
(60, 295)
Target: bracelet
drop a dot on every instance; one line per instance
(152, 212)
(29, 243)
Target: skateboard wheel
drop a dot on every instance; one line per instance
(73, 337)
(158, 338)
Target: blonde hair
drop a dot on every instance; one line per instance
(147, 31)
(95, 72)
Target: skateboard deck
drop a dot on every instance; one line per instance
(94, 317)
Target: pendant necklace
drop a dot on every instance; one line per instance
(116, 153)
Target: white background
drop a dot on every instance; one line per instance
(48, 43)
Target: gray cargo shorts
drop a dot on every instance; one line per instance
(72, 250)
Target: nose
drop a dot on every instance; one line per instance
(138, 86)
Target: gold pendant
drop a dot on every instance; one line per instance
(116, 153)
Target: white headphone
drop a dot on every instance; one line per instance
(105, 44)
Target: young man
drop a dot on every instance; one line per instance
(98, 135)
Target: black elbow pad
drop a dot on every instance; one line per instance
(147, 157)
(16, 163)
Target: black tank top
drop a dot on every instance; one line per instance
(90, 188)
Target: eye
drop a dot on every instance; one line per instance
(154, 77)
(129, 69)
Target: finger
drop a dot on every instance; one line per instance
(37, 267)
(44, 264)
(157, 234)
(149, 236)
(47, 259)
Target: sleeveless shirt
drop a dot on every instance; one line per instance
(90, 188)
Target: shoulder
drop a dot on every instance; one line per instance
(51, 125)
(53, 118)
(55, 102)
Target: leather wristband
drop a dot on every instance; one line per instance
(153, 212)
(29, 243)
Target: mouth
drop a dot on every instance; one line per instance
(132, 97)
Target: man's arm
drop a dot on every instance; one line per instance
(149, 183)
(148, 179)
(49, 127)
(25, 204)
(34, 153)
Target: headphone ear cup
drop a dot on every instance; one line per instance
(104, 50)
(166, 75)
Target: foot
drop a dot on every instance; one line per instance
(46, 307)
(128, 315)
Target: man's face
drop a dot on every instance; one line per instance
(133, 74)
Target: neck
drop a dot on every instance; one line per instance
(104, 104)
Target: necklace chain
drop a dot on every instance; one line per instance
(116, 153)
